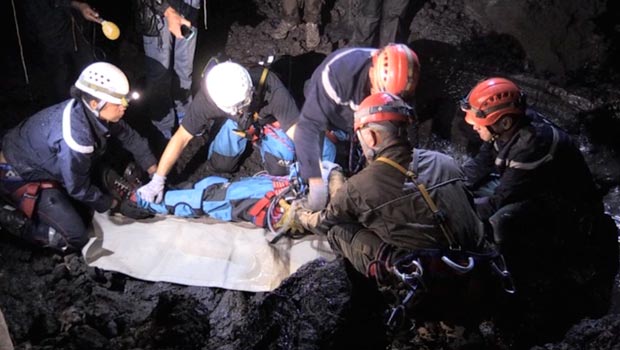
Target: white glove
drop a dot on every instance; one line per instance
(327, 167)
(317, 196)
(154, 190)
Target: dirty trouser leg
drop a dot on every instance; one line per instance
(184, 51)
(227, 148)
(57, 210)
(367, 17)
(312, 11)
(290, 11)
(391, 21)
(157, 51)
(355, 243)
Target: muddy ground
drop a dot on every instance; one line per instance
(563, 53)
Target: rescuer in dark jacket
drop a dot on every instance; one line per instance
(403, 203)
(546, 212)
(47, 161)
(336, 88)
(235, 107)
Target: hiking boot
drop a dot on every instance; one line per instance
(281, 31)
(313, 38)
(117, 186)
(134, 175)
(13, 221)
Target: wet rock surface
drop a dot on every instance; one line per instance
(561, 52)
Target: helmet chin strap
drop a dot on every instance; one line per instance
(369, 153)
(95, 111)
(494, 134)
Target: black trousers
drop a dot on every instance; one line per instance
(58, 221)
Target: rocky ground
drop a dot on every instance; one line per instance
(562, 53)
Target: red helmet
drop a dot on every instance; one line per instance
(395, 69)
(381, 107)
(491, 99)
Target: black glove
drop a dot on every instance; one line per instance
(131, 209)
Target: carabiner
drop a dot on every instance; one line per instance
(412, 276)
(506, 277)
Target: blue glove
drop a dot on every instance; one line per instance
(154, 190)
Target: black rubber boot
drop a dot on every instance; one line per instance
(134, 175)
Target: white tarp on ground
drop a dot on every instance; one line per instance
(198, 252)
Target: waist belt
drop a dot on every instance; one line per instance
(26, 196)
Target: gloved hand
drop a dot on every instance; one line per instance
(131, 209)
(317, 195)
(154, 190)
(288, 221)
(305, 218)
(336, 180)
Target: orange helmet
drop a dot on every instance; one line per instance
(395, 69)
(491, 99)
(381, 107)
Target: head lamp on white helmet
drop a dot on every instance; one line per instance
(230, 87)
(106, 82)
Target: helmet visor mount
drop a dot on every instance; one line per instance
(471, 112)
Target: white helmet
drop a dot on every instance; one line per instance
(230, 86)
(105, 82)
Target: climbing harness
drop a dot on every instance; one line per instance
(357, 160)
(23, 195)
(277, 228)
(409, 269)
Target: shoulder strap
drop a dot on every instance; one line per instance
(437, 214)
(249, 124)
